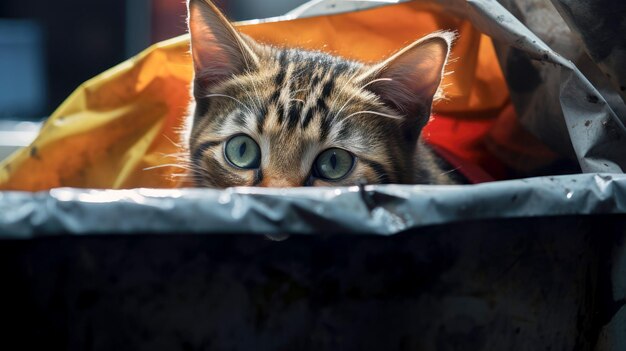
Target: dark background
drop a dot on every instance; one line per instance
(48, 48)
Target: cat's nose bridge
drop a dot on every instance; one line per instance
(283, 167)
(278, 182)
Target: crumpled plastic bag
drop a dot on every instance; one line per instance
(567, 76)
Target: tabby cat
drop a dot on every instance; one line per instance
(285, 117)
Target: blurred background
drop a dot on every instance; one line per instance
(48, 48)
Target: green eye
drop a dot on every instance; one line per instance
(243, 152)
(333, 164)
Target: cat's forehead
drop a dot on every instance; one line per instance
(298, 98)
(309, 66)
(310, 58)
(294, 88)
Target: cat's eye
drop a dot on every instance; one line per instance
(333, 164)
(243, 152)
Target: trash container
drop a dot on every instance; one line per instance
(104, 248)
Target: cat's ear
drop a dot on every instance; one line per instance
(410, 80)
(218, 50)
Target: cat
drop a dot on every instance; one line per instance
(286, 117)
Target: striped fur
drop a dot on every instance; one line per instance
(295, 104)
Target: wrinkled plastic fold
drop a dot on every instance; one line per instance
(381, 210)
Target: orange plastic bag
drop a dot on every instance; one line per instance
(119, 129)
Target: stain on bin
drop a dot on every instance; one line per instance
(521, 75)
(592, 99)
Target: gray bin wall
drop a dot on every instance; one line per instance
(532, 264)
(505, 284)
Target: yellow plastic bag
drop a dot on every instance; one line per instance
(118, 129)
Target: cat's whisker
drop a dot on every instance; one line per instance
(182, 179)
(253, 97)
(176, 155)
(343, 87)
(230, 97)
(199, 174)
(256, 94)
(174, 176)
(243, 50)
(172, 154)
(295, 78)
(373, 113)
(174, 165)
(254, 84)
(450, 171)
(360, 89)
(176, 144)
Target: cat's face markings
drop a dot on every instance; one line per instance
(289, 150)
(316, 119)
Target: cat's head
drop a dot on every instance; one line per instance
(283, 117)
